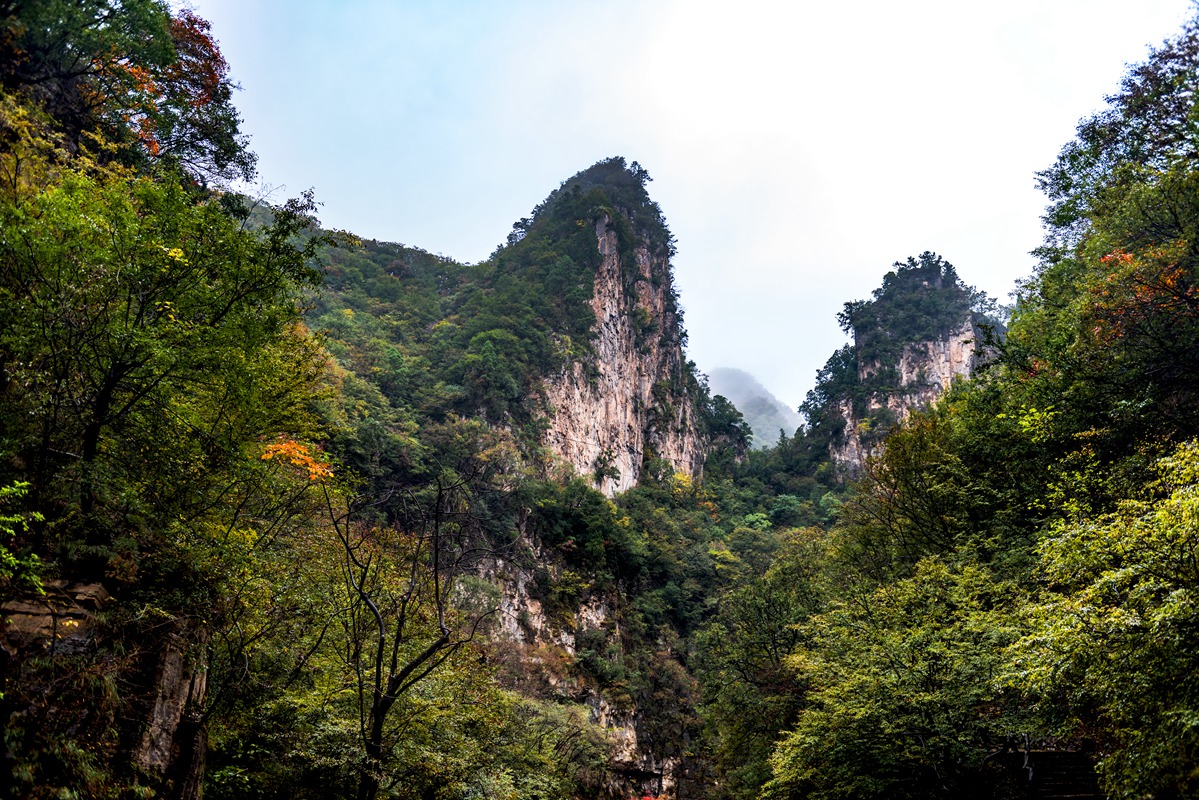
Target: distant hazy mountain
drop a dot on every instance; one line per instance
(764, 412)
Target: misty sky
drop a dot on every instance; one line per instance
(797, 148)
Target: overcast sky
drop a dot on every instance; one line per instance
(797, 148)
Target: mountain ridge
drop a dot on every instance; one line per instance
(766, 415)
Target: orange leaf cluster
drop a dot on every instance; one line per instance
(201, 69)
(1148, 286)
(299, 456)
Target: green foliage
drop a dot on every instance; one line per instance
(437, 336)
(1148, 127)
(1111, 329)
(792, 483)
(163, 403)
(921, 300)
(464, 738)
(1113, 638)
(902, 702)
(836, 381)
(936, 489)
(585, 528)
(430, 344)
(315, 523)
(17, 567)
(915, 668)
(750, 694)
(152, 357)
(623, 191)
(1106, 328)
(728, 433)
(133, 309)
(152, 86)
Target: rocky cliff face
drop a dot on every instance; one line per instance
(539, 651)
(630, 400)
(924, 371)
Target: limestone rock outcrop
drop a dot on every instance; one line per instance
(630, 400)
(542, 648)
(925, 370)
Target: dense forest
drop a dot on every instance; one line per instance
(278, 517)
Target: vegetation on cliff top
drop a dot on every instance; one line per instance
(921, 300)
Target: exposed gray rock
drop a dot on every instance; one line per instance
(926, 370)
(630, 399)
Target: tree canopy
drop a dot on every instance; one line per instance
(276, 517)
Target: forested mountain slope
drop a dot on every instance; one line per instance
(285, 514)
(569, 335)
(766, 415)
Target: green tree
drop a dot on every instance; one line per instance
(751, 696)
(153, 85)
(922, 299)
(1110, 650)
(902, 700)
(150, 347)
(1106, 329)
(402, 615)
(1147, 128)
(16, 566)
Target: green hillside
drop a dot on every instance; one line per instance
(278, 518)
